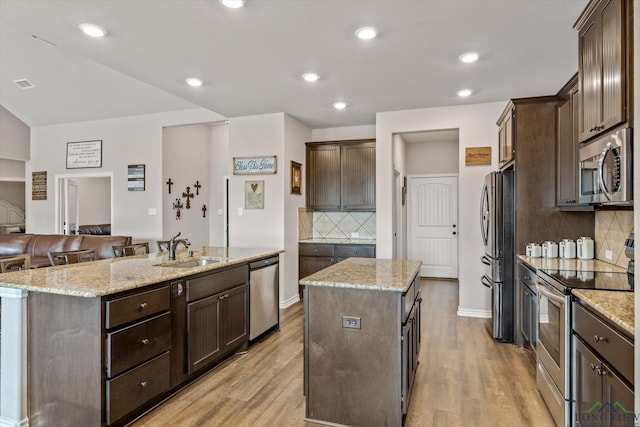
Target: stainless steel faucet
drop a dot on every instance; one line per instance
(173, 244)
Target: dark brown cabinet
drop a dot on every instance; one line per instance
(341, 176)
(506, 137)
(604, 66)
(529, 308)
(603, 371)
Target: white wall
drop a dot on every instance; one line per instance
(12, 192)
(343, 133)
(14, 136)
(94, 195)
(185, 159)
(432, 157)
(125, 141)
(476, 124)
(220, 166)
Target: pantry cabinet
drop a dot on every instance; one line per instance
(506, 137)
(341, 176)
(604, 65)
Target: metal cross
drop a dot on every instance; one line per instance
(197, 186)
(204, 211)
(169, 183)
(177, 205)
(188, 195)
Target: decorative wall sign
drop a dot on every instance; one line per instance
(255, 165)
(475, 156)
(296, 178)
(135, 178)
(84, 154)
(254, 194)
(39, 185)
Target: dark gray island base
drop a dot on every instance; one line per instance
(361, 342)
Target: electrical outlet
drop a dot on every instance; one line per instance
(355, 235)
(608, 255)
(239, 211)
(350, 322)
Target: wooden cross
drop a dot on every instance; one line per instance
(177, 205)
(204, 211)
(188, 195)
(197, 186)
(169, 183)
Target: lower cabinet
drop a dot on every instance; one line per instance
(105, 360)
(603, 390)
(528, 308)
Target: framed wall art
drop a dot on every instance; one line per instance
(135, 178)
(296, 178)
(84, 154)
(254, 194)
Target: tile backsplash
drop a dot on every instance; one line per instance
(612, 229)
(336, 225)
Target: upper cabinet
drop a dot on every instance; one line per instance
(341, 176)
(605, 63)
(506, 137)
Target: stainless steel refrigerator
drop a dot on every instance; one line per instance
(497, 226)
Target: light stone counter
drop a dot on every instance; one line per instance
(367, 273)
(109, 276)
(616, 306)
(339, 241)
(573, 264)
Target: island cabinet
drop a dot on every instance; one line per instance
(361, 342)
(605, 64)
(105, 360)
(603, 387)
(341, 175)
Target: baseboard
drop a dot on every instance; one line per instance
(464, 312)
(10, 423)
(286, 303)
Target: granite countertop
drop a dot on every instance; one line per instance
(367, 273)
(614, 305)
(572, 264)
(339, 241)
(110, 276)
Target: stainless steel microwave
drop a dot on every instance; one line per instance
(606, 169)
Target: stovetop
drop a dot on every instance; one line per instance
(570, 279)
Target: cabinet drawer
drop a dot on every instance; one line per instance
(219, 281)
(136, 387)
(136, 343)
(316, 250)
(126, 309)
(362, 251)
(611, 345)
(527, 276)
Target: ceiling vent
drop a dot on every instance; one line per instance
(24, 84)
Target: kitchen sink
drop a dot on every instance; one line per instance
(195, 262)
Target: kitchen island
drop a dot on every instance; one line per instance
(107, 340)
(362, 341)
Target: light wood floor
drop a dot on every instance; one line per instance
(464, 378)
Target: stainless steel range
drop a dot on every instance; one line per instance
(553, 373)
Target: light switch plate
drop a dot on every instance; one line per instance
(239, 211)
(152, 211)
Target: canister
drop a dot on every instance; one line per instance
(533, 250)
(567, 248)
(584, 248)
(550, 249)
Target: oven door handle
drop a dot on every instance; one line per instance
(546, 290)
(486, 282)
(485, 260)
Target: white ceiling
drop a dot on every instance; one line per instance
(251, 59)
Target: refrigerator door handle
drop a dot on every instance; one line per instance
(486, 282)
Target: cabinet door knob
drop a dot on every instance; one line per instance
(598, 339)
(143, 384)
(145, 341)
(592, 366)
(143, 306)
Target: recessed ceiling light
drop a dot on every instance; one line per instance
(92, 30)
(366, 33)
(468, 57)
(339, 105)
(310, 77)
(192, 81)
(464, 93)
(233, 4)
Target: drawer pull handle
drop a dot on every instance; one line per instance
(143, 384)
(143, 306)
(145, 341)
(598, 339)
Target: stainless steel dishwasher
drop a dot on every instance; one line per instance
(263, 296)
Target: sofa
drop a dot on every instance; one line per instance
(38, 246)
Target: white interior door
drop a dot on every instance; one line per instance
(71, 206)
(433, 224)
